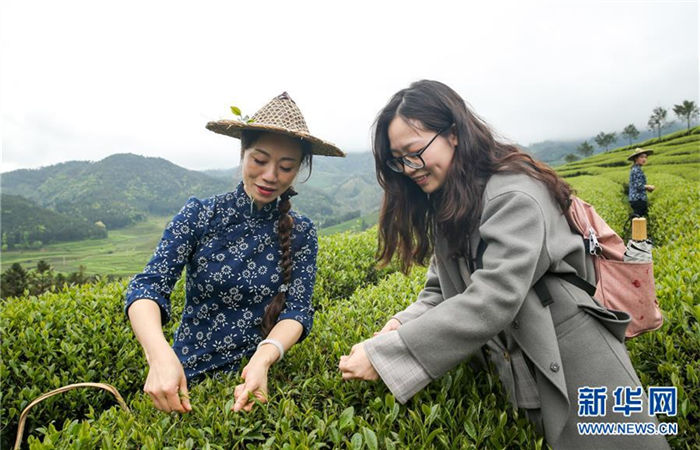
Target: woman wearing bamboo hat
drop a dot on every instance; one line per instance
(251, 267)
(638, 186)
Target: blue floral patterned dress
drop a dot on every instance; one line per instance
(637, 185)
(232, 255)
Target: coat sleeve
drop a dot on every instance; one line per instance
(513, 228)
(430, 296)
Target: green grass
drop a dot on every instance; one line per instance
(125, 252)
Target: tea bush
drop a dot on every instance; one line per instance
(605, 195)
(346, 261)
(671, 355)
(76, 335)
(673, 209)
(80, 334)
(313, 408)
(62, 338)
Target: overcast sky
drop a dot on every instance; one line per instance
(80, 80)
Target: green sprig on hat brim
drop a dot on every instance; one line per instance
(237, 112)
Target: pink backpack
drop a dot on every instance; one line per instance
(620, 285)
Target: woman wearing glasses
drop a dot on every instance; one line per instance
(491, 222)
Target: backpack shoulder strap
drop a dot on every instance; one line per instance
(576, 281)
(540, 286)
(479, 260)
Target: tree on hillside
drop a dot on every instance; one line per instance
(631, 133)
(42, 266)
(571, 157)
(40, 280)
(78, 277)
(13, 281)
(585, 149)
(687, 110)
(657, 120)
(605, 139)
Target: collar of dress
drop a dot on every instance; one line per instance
(246, 206)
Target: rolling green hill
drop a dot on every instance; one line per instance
(676, 153)
(553, 152)
(674, 165)
(123, 253)
(26, 224)
(119, 190)
(356, 224)
(148, 191)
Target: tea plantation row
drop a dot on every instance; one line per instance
(81, 334)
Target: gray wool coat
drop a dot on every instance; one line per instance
(542, 354)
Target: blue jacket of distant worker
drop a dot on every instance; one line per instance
(638, 181)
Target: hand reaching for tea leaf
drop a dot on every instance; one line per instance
(253, 388)
(356, 365)
(166, 383)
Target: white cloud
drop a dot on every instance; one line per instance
(84, 79)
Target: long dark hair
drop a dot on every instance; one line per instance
(409, 218)
(284, 232)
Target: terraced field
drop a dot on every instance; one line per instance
(123, 253)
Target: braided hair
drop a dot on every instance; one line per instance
(284, 232)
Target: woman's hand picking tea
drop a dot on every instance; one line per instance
(356, 365)
(253, 388)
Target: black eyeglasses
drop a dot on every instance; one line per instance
(412, 160)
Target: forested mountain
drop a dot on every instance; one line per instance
(26, 224)
(118, 190)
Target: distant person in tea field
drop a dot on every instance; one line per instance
(491, 221)
(638, 186)
(251, 268)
